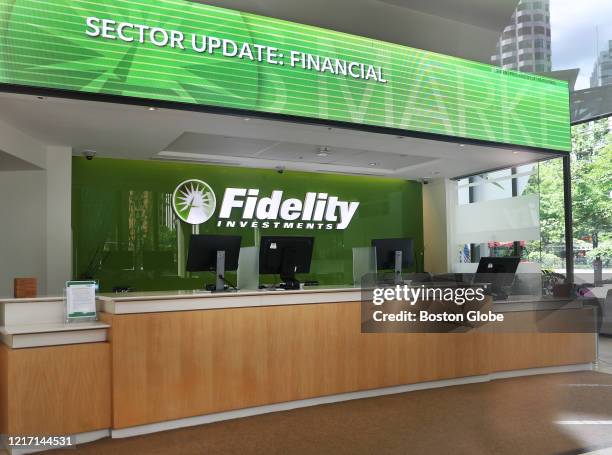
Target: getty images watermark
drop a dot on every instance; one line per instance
(419, 304)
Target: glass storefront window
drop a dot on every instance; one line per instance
(495, 194)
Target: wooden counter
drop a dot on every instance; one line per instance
(177, 364)
(55, 391)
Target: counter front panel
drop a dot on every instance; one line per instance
(177, 364)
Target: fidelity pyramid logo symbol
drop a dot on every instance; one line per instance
(194, 201)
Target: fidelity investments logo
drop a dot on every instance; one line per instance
(194, 202)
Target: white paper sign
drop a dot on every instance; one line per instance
(81, 299)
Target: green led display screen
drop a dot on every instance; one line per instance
(181, 51)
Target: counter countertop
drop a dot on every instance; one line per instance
(164, 295)
(49, 328)
(163, 301)
(155, 302)
(52, 334)
(31, 300)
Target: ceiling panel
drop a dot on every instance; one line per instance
(308, 153)
(218, 145)
(383, 160)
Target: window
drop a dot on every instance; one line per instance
(540, 56)
(541, 68)
(524, 31)
(525, 44)
(509, 61)
(538, 43)
(524, 18)
(479, 230)
(532, 195)
(508, 48)
(539, 30)
(525, 57)
(538, 18)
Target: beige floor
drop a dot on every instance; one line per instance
(551, 414)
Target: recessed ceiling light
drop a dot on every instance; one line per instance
(247, 119)
(515, 153)
(373, 164)
(152, 109)
(461, 145)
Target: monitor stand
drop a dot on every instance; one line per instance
(398, 267)
(288, 271)
(220, 272)
(291, 284)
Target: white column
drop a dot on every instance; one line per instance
(59, 218)
(437, 218)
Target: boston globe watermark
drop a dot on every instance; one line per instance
(194, 202)
(418, 303)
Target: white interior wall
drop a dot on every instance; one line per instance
(35, 227)
(22, 230)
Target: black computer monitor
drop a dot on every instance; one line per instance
(286, 256)
(202, 255)
(498, 271)
(385, 252)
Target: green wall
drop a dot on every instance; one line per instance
(124, 229)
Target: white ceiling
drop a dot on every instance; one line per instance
(133, 132)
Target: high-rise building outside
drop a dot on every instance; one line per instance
(525, 44)
(602, 71)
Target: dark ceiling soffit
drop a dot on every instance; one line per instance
(133, 101)
(591, 104)
(487, 14)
